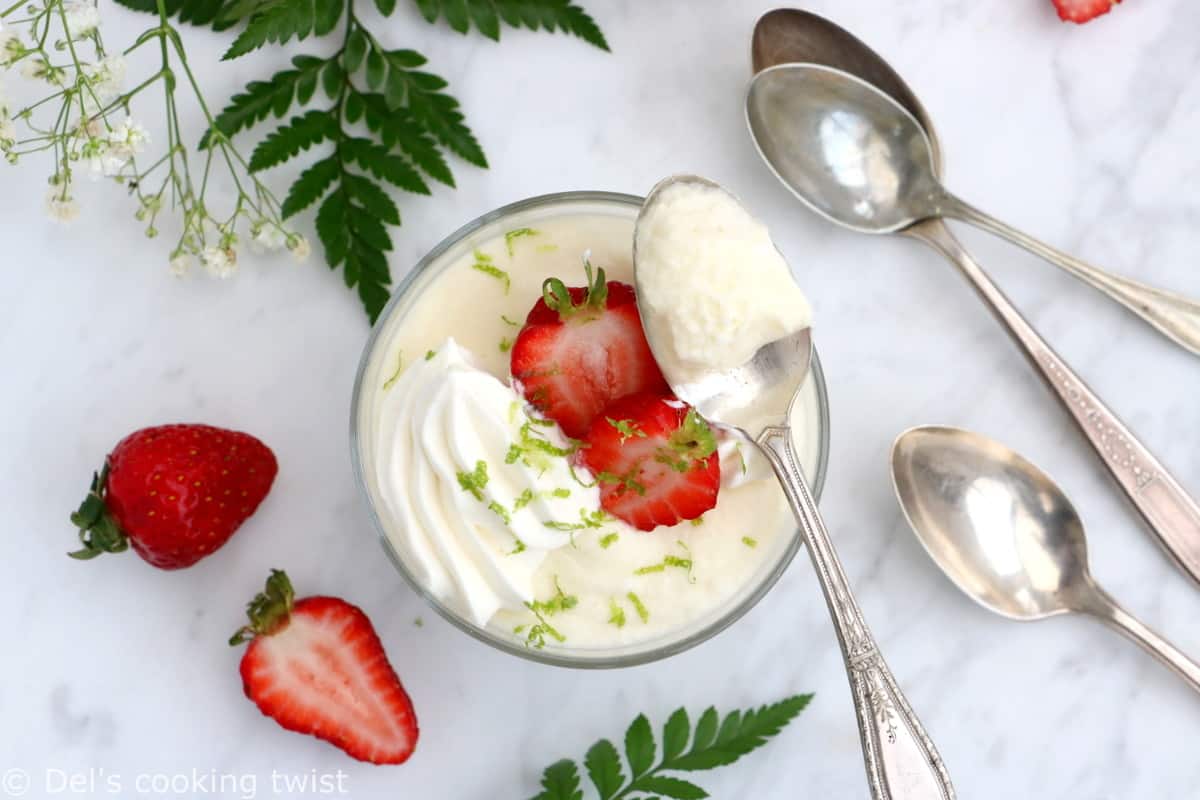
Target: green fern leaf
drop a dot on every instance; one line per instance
(376, 159)
(372, 198)
(286, 141)
(261, 98)
(280, 20)
(548, 15)
(311, 186)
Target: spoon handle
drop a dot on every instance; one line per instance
(1175, 316)
(1104, 608)
(901, 761)
(1170, 511)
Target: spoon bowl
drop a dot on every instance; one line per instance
(997, 525)
(1006, 534)
(845, 148)
(755, 395)
(789, 35)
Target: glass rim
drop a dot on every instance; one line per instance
(634, 656)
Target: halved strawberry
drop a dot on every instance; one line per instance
(316, 666)
(1083, 10)
(655, 458)
(580, 349)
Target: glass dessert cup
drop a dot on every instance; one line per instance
(810, 418)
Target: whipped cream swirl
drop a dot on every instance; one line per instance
(481, 491)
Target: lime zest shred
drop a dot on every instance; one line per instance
(474, 482)
(511, 322)
(511, 236)
(638, 606)
(606, 541)
(505, 344)
(698, 521)
(387, 384)
(485, 264)
(429, 354)
(749, 541)
(616, 615)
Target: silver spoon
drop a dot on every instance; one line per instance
(755, 399)
(818, 130)
(1006, 534)
(923, 197)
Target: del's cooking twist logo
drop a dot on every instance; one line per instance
(98, 781)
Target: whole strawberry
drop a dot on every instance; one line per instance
(316, 666)
(175, 493)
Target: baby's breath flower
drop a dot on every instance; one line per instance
(266, 237)
(82, 17)
(10, 47)
(107, 79)
(129, 137)
(181, 265)
(8, 133)
(41, 69)
(60, 205)
(299, 247)
(220, 262)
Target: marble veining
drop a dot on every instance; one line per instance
(1085, 136)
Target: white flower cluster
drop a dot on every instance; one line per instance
(108, 153)
(83, 17)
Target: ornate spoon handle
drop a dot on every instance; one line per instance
(901, 761)
(1175, 316)
(1169, 510)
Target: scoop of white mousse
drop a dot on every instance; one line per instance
(712, 285)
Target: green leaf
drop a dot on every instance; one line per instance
(604, 768)
(373, 278)
(326, 17)
(280, 20)
(286, 141)
(440, 115)
(376, 159)
(669, 787)
(331, 79)
(354, 108)
(485, 17)
(373, 198)
(311, 186)
(675, 734)
(386, 7)
(262, 98)
(706, 730)
(430, 9)
(356, 50)
(560, 781)
(639, 746)
(399, 129)
(368, 228)
(457, 16)
(376, 69)
(739, 734)
(331, 228)
(218, 14)
(548, 15)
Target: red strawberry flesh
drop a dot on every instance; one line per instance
(571, 366)
(317, 667)
(651, 473)
(1083, 10)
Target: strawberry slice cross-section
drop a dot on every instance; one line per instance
(655, 458)
(580, 349)
(316, 666)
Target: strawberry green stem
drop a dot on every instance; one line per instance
(98, 529)
(269, 610)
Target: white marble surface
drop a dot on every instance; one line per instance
(113, 665)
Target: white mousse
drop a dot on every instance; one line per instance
(718, 287)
